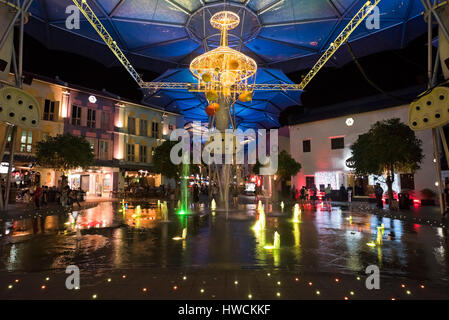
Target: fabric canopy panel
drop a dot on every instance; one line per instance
(285, 34)
(262, 112)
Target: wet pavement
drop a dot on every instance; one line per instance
(106, 242)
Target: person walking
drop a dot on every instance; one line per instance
(37, 197)
(327, 196)
(235, 195)
(342, 193)
(379, 192)
(302, 195)
(45, 196)
(196, 196)
(65, 197)
(313, 192)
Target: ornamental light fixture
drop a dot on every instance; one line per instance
(224, 71)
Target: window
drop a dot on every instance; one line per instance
(91, 118)
(105, 120)
(143, 128)
(26, 141)
(407, 181)
(337, 143)
(49, 110)
(155, 129)
(93, 145)
(104, 150)
(76, 115)
(131, 125)
(306, 146)
(130, 152)
(310, 182)
(143, 154)
(8, 142)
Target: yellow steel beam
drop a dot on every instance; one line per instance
(343, 36)
(87, 11)
(334, 46)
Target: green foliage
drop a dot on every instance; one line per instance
(428, 193)
(64, 152)
(287, 166)
(162, 163)
(389, 146)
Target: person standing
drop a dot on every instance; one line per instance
(196, 196)
(235, 195)
(37, 196)
(342, 193)
(379, 192)
(327, 196)
(349, 190)
(45, 196)
(302, 195)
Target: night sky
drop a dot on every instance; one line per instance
(390, 70)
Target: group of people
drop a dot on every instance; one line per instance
(311, 195)
(39, 196)
(213, 193)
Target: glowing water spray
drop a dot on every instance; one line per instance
(276, 244)
(213, 204)
(282, 206)
(296, 214)
(159, 203)
(183, 237)
(164, 211)
(379, 235)
(260, 224)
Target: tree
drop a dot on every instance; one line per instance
(162, 163)
(64, 152)
(390, 146)
(287, 166)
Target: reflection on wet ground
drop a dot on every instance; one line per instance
(107, 237)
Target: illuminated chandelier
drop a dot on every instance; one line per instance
(224, 72)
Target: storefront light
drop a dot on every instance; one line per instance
(350, 122)
(92, 99)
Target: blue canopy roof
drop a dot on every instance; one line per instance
(262, 112)
(285, 34)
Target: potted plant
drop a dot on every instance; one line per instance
(428, 197)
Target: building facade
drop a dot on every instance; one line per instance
(122, 135)
(322, 145)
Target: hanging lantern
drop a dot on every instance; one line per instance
(212, 109)
(207, 77)
(246, 96)
(234, 64)
(211, 95)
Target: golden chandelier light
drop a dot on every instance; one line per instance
(224, 70)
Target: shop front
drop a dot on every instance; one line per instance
(98, 182)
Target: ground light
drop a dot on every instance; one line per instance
(276, 244)
(183, 237)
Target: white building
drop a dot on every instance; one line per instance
(321, 139)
